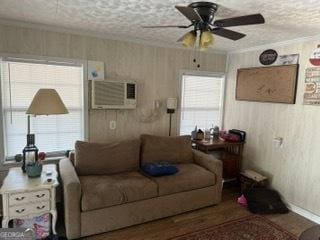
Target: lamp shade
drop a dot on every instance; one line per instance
(47, 102)
(172, 103)
(206, 40)
(189, 39)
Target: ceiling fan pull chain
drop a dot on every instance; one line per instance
(199, 57)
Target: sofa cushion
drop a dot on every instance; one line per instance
(106, 158)
(189, 177)
(110, 190)
(169, 149)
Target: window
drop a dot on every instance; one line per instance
(55, 133)
(201, 102)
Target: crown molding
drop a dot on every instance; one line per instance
(277, 44)
(107, 36)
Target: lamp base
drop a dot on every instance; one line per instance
(170, 112)
(30, 152)
(30, 139)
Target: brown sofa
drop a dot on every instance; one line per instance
(104, 190)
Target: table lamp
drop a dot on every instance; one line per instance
(171, 106)
(45, 102)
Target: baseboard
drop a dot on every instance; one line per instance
(305, 213)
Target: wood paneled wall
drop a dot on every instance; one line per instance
(294, 168)
(156, 70)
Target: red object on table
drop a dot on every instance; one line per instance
(229, 137)
(42, 155)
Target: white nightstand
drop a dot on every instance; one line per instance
(25, 197)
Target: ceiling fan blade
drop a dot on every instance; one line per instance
(238, 21)
(228, 33)
(190, 13)
(166, 26)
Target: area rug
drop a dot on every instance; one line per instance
(253, 227)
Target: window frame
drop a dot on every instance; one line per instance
(197, 73)
(44, 60)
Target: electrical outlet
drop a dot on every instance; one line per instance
(112, 125)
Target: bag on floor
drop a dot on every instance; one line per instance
(41, 225)
(264, 201)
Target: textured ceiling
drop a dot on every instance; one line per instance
(121, 19)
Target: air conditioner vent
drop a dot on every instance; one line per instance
(109, 93)
(113, 95)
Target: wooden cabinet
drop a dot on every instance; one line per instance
(228, 152)
(231, 163)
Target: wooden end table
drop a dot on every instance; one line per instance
(25, 197)
(230, 153)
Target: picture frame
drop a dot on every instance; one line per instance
(95, 70)
(276, 84)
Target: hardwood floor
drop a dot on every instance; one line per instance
(199, 219)
(169, 227)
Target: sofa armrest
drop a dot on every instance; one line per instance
(72, 156)
(72, 195)
(211, 164)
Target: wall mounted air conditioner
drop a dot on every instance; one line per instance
(113, 95)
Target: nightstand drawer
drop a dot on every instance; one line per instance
(18, 198)
(39, 195)
(33, 208)
(40, 207)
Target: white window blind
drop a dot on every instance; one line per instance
(201, 102)
(20, 82)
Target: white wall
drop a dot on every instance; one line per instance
(294, 170)
(156, 70)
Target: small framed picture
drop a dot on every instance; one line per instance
(95, 70)
(288, 59)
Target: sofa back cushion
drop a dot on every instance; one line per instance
(106, 158)
(169, 149)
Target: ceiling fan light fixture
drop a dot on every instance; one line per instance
(206, 40)
(189, 39)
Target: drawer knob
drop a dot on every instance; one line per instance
(40, 196)
(42, 207)
(19, 198)
(20, 210)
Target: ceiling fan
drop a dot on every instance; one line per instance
(201, 15)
